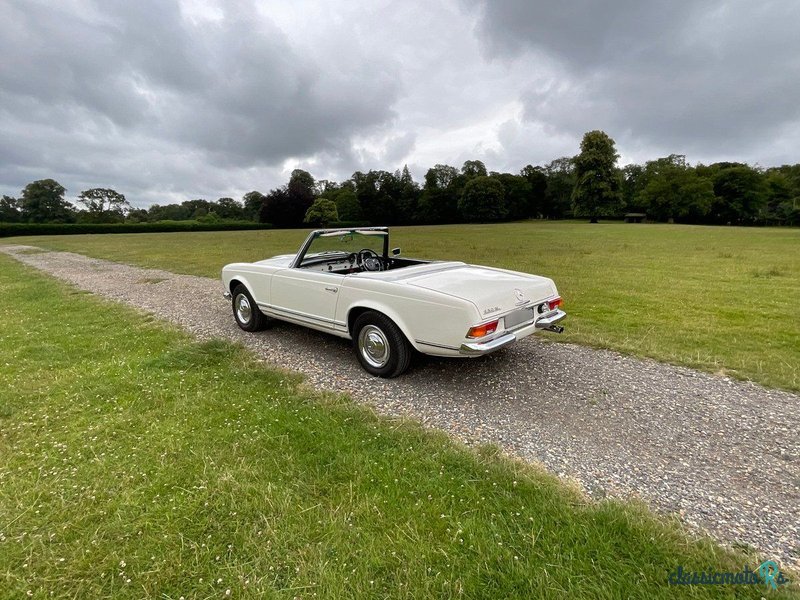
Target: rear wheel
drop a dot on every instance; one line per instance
(381, 347)
(245, 310)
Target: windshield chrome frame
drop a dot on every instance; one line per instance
(298, 259)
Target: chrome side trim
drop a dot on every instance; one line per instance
(481, 348)
(432, 345)
(300, 315)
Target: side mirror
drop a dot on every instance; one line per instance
(395, 251)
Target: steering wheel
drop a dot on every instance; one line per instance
(369, 260)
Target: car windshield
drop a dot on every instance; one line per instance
(341, 244)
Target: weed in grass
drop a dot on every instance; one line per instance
(767, 273)
(202, 355)
(137, 463)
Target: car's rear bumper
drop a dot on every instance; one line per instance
(480, 348)
(547, 323)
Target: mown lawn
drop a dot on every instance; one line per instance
(721, 299)
(137, 463)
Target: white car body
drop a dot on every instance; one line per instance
(434, 304)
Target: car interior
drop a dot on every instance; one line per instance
(358, 262)
(356, 251)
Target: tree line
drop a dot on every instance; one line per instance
(43, 201)
(589, 185)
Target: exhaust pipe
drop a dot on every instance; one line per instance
(555, 328)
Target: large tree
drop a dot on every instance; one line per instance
(276, 209)
(137, 215)
(537, 182)
(517, 195)
(440, 177)
(783, 197)
(9, 210)
(377, 193)
(252, 204)
(408, 199)
(483, 200)
(741, 195)
(199, 207)
(168, 212)
(302, 192)
(597, 187)
(43, 202)
(347, 206)
(104, 205)
(633, 181)
(674, 191)
(473, 168)
(439, 200)
(321, 213)
(560, 183)
(228, 208)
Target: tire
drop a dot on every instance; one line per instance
(245, 310)
(380, 346)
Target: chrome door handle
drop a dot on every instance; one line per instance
(332, 289)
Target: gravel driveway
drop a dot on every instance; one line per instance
(723, 454)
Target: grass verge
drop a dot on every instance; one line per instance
(720, 299)
(136, 462)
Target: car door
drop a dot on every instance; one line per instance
(306, 296)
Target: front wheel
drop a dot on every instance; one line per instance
(381, 347)
(245, 310)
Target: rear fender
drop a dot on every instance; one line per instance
(386, 310)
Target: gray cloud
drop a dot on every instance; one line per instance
(230, 92)
(708, 78)
(173, 99)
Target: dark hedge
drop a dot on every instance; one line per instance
(17, 229)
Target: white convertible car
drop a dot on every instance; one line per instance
(347, 282)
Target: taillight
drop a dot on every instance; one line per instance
(555, 303)
(482, 330)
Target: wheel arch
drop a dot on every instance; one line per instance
(358, 309)
(237, 280)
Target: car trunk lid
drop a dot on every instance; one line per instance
(493, 291)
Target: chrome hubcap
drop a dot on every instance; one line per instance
(243, 310)
(374, 346)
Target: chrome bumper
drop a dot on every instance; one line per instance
(480, 348)
(548, 323)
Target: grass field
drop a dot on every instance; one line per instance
(137, 463)
(720, 299)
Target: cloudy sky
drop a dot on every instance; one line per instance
(167, 100)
